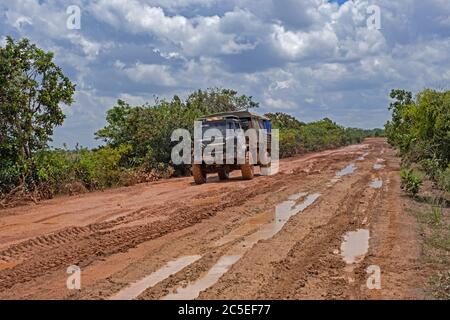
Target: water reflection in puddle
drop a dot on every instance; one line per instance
(361, 158)
(297, 196)
(376, 183)
(347, 170)
(355, 246)
(193, 290)
(266, 230)
(140, 286)
(377, 166)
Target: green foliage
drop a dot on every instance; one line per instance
(411, 181)
(31, 88)
(443, 179)
(420, 128)
(436, 215)
(95, 169)
(298, 137)
(214, 100)
(148, 129)
(282, 120)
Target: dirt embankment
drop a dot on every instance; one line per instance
(272, 237)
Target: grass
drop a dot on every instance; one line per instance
(434, 226)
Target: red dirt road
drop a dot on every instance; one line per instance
(277, 237)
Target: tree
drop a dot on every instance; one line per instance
(282, 120)
(32, 87)
(147, 129)
(214, 100)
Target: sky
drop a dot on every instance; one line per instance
(309, 58)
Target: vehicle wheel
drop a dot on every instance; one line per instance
(223, 174)
(247, 168)
(199, 174)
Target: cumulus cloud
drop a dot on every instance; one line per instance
(311, 58)
(150, 73)
(195, 36)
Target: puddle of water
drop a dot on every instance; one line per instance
(361, 158)
(267, 230)
(355, 246)
(377, 166)
(376, 183)
(140, 286)
(267, 226)
(347, 170)
(297, 196)
(287, 209)
(193, 290)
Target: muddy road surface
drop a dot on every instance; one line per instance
(329, 225)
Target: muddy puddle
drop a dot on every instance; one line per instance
(347, 170)
(193, 290)
(378, 166)
(266, 230)
(362, 157)
(172, 267)
(343, 172)
(355, 245)
(376, 183)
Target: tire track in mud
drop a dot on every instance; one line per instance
(191, 274)
(93, 242)
(210, 252)
(306, 258)
(26, 248)
(52, 252)
(276, 277)
(314, 267)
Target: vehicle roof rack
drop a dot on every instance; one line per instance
(234, 114)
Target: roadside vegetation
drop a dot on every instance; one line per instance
(420, 130)
(136, 139)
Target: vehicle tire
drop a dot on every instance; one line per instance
(247, 168)
(199, 174)
(223, 174)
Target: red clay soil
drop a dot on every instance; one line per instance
(120, 236)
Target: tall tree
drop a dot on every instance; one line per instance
(32, 87)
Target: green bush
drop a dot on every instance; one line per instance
(443, 179)
(298, 137)
(411, 181)
(420, 129)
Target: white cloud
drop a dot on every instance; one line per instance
(311, 58)
(300, 44)
(150, 74)
(195, 36)
(281, 104)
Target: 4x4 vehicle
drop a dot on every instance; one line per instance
(234, 121)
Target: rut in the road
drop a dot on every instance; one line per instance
(82, 246)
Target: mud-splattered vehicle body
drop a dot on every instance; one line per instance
(246, 151)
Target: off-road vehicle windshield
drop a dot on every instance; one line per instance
(222, 125)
